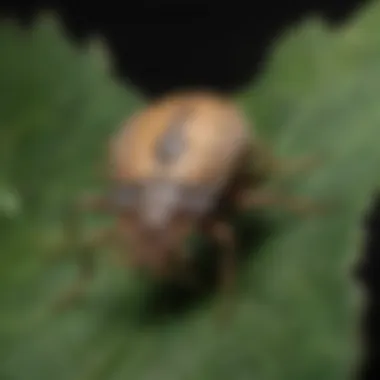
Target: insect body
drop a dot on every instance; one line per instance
(175, 167)
(173, 163)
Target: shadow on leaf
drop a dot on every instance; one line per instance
(162, 302)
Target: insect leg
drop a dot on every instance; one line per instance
(289, 167)
(71, 220)
(86, 266)
(84, 248)
(262, 198)
(263, 166)
(262, 159)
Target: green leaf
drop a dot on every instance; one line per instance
(10, 202)
(297, 308)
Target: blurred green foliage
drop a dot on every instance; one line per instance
(297, 307)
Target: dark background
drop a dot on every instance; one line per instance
(161, 44)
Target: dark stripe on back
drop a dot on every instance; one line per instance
(173, 142)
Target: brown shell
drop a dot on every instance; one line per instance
(215, 139)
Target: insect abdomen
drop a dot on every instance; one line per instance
(192, 139)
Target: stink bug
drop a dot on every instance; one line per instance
(174, 169)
